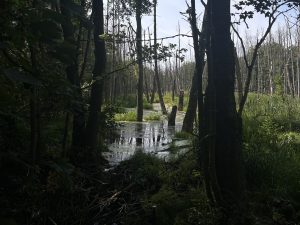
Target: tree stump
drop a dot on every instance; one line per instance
(180, 102)
(172, 117)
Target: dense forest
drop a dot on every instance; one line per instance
(104, 121)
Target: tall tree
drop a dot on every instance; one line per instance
(138, 17)
(221, 140)
(271, 10)
(98, 72)
(196, 89)
(158, 84)
(73, 77)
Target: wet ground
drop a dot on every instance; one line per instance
(152, 137)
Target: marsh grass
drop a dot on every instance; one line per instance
(128, 116)
(153, 116)
(272, 145)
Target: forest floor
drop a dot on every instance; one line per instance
(137, 187)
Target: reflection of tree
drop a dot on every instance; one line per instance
(139, 134)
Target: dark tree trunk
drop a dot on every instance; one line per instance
(86, 53)
(158, 85)
(153, 91)
(34, 111)
(196, 89)
(180, 100)
(221, 123)
(172, 117)
(173, 89)
(73, 77)
(140, 61)
(65, 134)
(98, 71)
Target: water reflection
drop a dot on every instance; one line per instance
(139, 133)
(151, 137)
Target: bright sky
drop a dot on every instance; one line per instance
(168, 18)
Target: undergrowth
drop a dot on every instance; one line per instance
(153, 116)
(272, 156)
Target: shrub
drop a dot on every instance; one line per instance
(128, 116)
(271, 150)
(127, 102)
(152, 116)
(147, 105)
(182, 135)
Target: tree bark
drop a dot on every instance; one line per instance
(140, 61)
(172, 117)
(196, 95)
(99, 68)
(157, 79)
(238, 76)
(34, 111)
(221, 123)
(73, 77)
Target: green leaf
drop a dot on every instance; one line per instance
(18, 76)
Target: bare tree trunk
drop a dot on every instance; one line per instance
(156, 75)
(271, 77)
(140, 61)
(298, 76)
(238, 76)
(145, 74)
(73, 77)
(86, 53)
(196, 89)
(221, 122)
(297, 63)
(93, 122)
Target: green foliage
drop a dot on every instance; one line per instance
(144, 170)
(168, 193)
(147, 105)
(183, 135)
(128, 116)
(131, 5)
(153, 116)
(128, 102)
(169, 102)
(278, 85)
(271, 149)
(181, 199)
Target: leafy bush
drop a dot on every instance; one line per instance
(169, 102)
(147, 105)
(152, 116)
(127, 102)
(271, 150)
(128, 116)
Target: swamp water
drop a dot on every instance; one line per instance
(153, 137)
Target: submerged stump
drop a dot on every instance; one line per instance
(172, 117)
(180, 102)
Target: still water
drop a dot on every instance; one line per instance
(152, 137)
